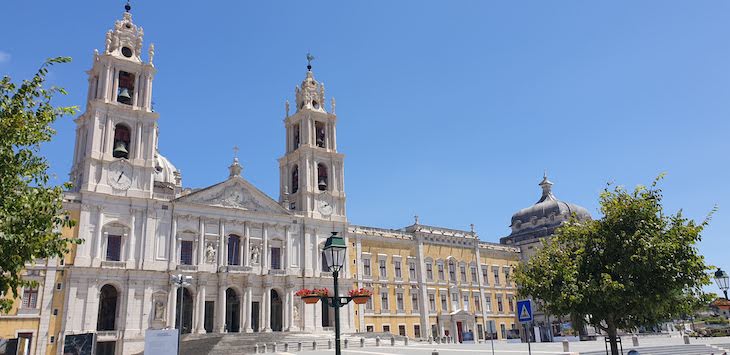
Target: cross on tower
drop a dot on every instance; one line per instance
(235, 151)
(310, 58)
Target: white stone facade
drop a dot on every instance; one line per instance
(247, 253)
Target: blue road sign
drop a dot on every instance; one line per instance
(524, 311)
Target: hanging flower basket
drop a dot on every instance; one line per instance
(311, 299)
(360, 296)
(312, 296)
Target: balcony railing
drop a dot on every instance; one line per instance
(113, 264)
(236, 268)
(187, 267)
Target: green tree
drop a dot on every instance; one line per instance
(31, 211)
(633, 267)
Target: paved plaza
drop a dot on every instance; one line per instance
(647, 346)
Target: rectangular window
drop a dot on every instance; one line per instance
(114, 247)
(369, 304)
(412, 270)
(503, 329)
(429, 271)
(444, 306)
(414, 301)
(383, 272)
(477, 303)
(386, 328)
(495, 270)
(416, 331)
(384, 301)
(432, 302)
(234, 246)
(488, 302)
(397, 269)
(507, 280)
(30, 298)
(454, 301)
(473, 274)
(441, 271)
(369, 329)
(500, 306)
(366, 266)
(399, 301)
(276, 258)
(186, 252)
(510, 304)
(463, 273)
(485, 274)
(402, 330)
(452, 272)
(466, 303)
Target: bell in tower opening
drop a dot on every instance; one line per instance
(321, 177)
(126, 88)
(121, 142)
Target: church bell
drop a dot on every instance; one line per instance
(124, 94)
(120, 150)
(322, 184)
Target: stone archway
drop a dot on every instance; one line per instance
(277, 307)
(233, 311)
(107, 317)
(187, 305)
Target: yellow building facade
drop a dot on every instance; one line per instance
(430, 282)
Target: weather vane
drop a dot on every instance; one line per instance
(127, 6)
(235, 151)
(310, 58)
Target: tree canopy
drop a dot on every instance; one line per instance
(635, 266)
(31, 210)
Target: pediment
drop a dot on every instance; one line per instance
(236, 193)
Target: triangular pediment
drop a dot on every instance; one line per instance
(236, 193)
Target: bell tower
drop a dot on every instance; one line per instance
(311, 171)
(116, 137)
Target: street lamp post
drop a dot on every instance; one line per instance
(180, 281)
(334, 252)
(723, 281)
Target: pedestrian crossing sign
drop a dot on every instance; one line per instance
(524, 311)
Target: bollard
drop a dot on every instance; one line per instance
(299, 346)
(286, 347)
(314, 345)
(434, 352)
(346, 341)
(265, 349)
(362, 342)
(329, 344)
(405, 342)
(566, 345)
(275, 347)
(635, 340)
(256, 349)
(377, 341)
(686, 339)
(430, 340)
(392, 340)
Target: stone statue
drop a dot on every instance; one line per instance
(108, 42)
(287, 108)
(151, 52)
(296, 312)
(255, 255)
(333, 105)
(159, 310)
(210, 254)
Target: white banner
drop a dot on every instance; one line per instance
(160, 342)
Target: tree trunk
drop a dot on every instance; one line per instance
(612, 338)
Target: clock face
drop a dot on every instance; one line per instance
(324, 205)
(120, 175)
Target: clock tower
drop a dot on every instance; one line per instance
(311, 171)
(116, 138)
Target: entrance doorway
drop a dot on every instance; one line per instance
(209, 316)
(276, 311)
(187, 317)
(233, 311)
(459, 331)
(255, 316)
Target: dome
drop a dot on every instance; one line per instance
(165, 172)
(543, 217)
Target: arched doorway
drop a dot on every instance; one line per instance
(276, 311)
(233, 311)
(106, 320)
(187, 305)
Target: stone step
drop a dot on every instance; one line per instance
(691, 349)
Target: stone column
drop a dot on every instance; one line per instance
(201, 241)
(115, 85)
(264, 311)
(135, 94)
(172, 308)
(242, 300)
(247, 245)
(248, 301)
(172, 260)
(265, 251)
(132, 243)
(98, 240)
(138, 145)
(222, 255)
(221, 307)
(200, 327)
(286, 259)
(286, 311)
(305, 251)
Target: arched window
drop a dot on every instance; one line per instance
(125, 91)
(295, 133)
(234, 255)
(294, 179)
(106, 320)
(121, 141)
(322, 180)
(452, 271)
(319, 133)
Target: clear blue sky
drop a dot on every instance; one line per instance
(449, 110)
